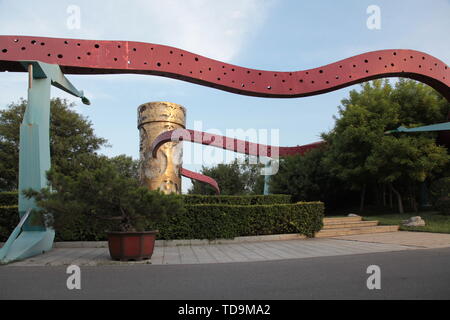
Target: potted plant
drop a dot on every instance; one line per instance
(107, 196)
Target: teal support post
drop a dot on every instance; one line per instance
(266, 185)
(267, 179)
(29, 239)
(267, 172)
(271, 166)
(445, 126)
(34, 150)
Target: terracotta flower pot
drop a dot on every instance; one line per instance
(126, 246)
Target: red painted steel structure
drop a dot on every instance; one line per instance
(200, 177)
(236, 145)
(76, 56)
(106, 57)
(226, 143)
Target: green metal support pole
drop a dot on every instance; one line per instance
(30, 238)
(445, 126)
(268, 166)
(34, 151)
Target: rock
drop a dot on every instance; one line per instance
(352, 215)
(414, 222)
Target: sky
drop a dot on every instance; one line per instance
(262, 34)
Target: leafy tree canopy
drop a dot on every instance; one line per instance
(238, 177)
(71, 137)
(358, 152)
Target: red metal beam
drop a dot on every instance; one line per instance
(200, 177)
(106, 57)
(227, 143)
(224, 143)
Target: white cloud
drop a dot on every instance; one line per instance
(217, 29)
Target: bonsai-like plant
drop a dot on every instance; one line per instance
(103, 192)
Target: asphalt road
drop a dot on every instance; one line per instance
(411, 274)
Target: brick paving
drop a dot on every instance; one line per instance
(248, 251)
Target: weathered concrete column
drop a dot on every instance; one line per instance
(162, 172)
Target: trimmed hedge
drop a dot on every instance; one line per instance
(77, 228)
(200, 221)
(237, 200)
(9, 218)
(9, 198)
(214, 221)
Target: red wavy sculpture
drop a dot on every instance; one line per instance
(107, 57)
(200, 177)
(76, 56)
(236, 145)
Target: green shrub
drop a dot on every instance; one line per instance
(214, 221)
(238, 200)
(103, 194)
(82, 227)
(9, 218)
(443, 205)
(9, 198)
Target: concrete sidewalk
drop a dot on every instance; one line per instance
(412, 239)
(249, 251)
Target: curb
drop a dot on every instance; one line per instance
(186, 242)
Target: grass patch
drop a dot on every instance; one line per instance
(434, 221)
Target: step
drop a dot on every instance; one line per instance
(341, 219)
(328, 233)
(349, 224)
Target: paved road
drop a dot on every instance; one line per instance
(411, 274)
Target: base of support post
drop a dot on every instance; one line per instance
(26, 245)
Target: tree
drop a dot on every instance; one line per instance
(126, 166)
(307, 178)
(363, 119)
(104, 193)
(234, 178)
(123, 164)
(361, 155)
(405, 161)
(71, 136)
(251, 175)
(299, 176)
(419, 104)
